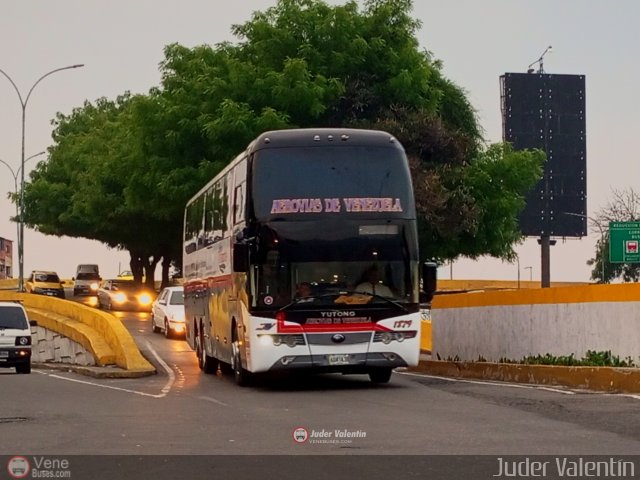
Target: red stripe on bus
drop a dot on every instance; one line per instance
(334, 327)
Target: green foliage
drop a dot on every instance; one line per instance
(591, 359)
(471, 210)
(302, 63)
(624, 206)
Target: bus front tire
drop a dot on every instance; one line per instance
(241, 376)
(380, 375)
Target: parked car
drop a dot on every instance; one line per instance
(45, 283)
(126, 275)
(15, 337)
(118, 294)
(167, 312)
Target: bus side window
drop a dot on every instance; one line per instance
(238, 203)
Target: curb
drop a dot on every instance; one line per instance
(603, 379)
(95, 372)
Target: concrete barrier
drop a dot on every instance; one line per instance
(559, 321)
(8, 284)
(74, 330)
(108, 328)
(49, 346)
(605, 379)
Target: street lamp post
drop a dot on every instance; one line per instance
(23, 103)
(530, 273)
(15, 189)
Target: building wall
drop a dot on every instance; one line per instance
(6, 258)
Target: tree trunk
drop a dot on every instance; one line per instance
(166, 263)
(137, 266)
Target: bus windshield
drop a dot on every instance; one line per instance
(332, 257)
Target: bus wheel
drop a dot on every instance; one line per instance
(207, 364)
(380, 375)
(226, 368)
(240, 375)
(199, 349)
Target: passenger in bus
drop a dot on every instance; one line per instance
(371, 283)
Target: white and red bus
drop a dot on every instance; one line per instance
(303, 254)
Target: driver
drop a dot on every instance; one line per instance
(372, 284)
(303, 292)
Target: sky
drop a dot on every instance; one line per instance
(121, 44)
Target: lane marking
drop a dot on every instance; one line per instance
(213, 400)
(550, 389)
(496, 384)
(172, 376)
(163, 393)
(144, 394)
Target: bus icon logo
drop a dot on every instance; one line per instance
(300, 435)
(18, 467)
(631, 246)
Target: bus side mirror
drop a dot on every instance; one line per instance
(429, 281)
(240, 257)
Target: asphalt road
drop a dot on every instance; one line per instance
(183, 411)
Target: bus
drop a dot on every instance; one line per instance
(302, 254)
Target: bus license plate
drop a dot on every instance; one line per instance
(338, 359)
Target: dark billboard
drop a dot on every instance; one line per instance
(547, 112)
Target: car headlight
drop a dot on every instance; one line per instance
(37, 290)
(23, 341)
(94, 287)
(120, 297)
(144, 299)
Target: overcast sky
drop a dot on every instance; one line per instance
(121, 43)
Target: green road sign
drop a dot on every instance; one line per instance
(624, 242)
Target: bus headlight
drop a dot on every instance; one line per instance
(385, 338)
(388, 337)
(276, 340)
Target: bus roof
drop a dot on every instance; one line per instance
(306, 137)
(309, 137)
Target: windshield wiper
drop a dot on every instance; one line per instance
(392, 302)
(297, 301)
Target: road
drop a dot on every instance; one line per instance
(182, 411)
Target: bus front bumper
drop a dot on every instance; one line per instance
(353, 362)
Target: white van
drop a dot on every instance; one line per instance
(15, 337)
(87, 280)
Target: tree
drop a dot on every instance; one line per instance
(302, 63)
(623, 207)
